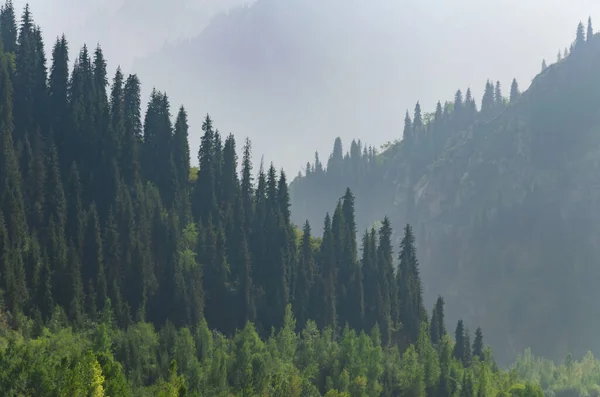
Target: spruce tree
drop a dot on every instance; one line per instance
(437, 326)
(487, 102)
(580, 35)
(58, 102)
(24, 81)
(205, 199)
(590, 30)
(470, 106)
(181, 158)
(410, 294)
(11, 200)
(408, 128)
(514, 92)
(156, 149)
(8, 26)
(129, 163)
(459, 342)
(305, 278)
(387, 282)
(325, 297)
(418, 118)
(498, 98)
(372, 291)
(478, 344)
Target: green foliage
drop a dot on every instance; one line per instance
(483, 189)
(124, 271)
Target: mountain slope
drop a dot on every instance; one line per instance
(505, 210)
(279, 70)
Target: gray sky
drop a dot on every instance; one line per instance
(294, 74)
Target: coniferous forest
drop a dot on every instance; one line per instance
(124, 272)
(503, 196)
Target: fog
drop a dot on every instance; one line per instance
(294, 74)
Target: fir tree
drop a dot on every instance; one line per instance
(417, 119)
(205, 198)
(372, 292)
(438, 327)
(514, 92)
(580, 35)
(411, 311)
(181, 157)
(487, 103)
(459, 340)
(130, 154)
(387, 282)
(478, 344)
(408, 128)
(58, 101)
(305, 278)
(8, 27)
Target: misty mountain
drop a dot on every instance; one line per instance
(504, 202)
(278, 70)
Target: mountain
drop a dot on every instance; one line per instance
(279, 70)
(504, 203)
(125, 273)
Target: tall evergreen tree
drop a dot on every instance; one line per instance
(156, 149)
(387, 282)
(372, 291)
(418, 118)
(305, 278)
(478, 344)
(459, 342)
(487, 102)
(181, 157)
(130, 153)
(205, 197)
(437, 327)
(11, 200)
(58, 102)
(408, 128)
(514, 91)
(580, 35)
(590, 30)
(325, 297)
(411, 311)
(8, 26)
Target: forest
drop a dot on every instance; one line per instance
(125, 272)
(503, 197)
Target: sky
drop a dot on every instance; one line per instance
(294, 74)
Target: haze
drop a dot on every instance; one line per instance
(280, 70)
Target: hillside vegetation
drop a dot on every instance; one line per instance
(503, 200)
(124, 273)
